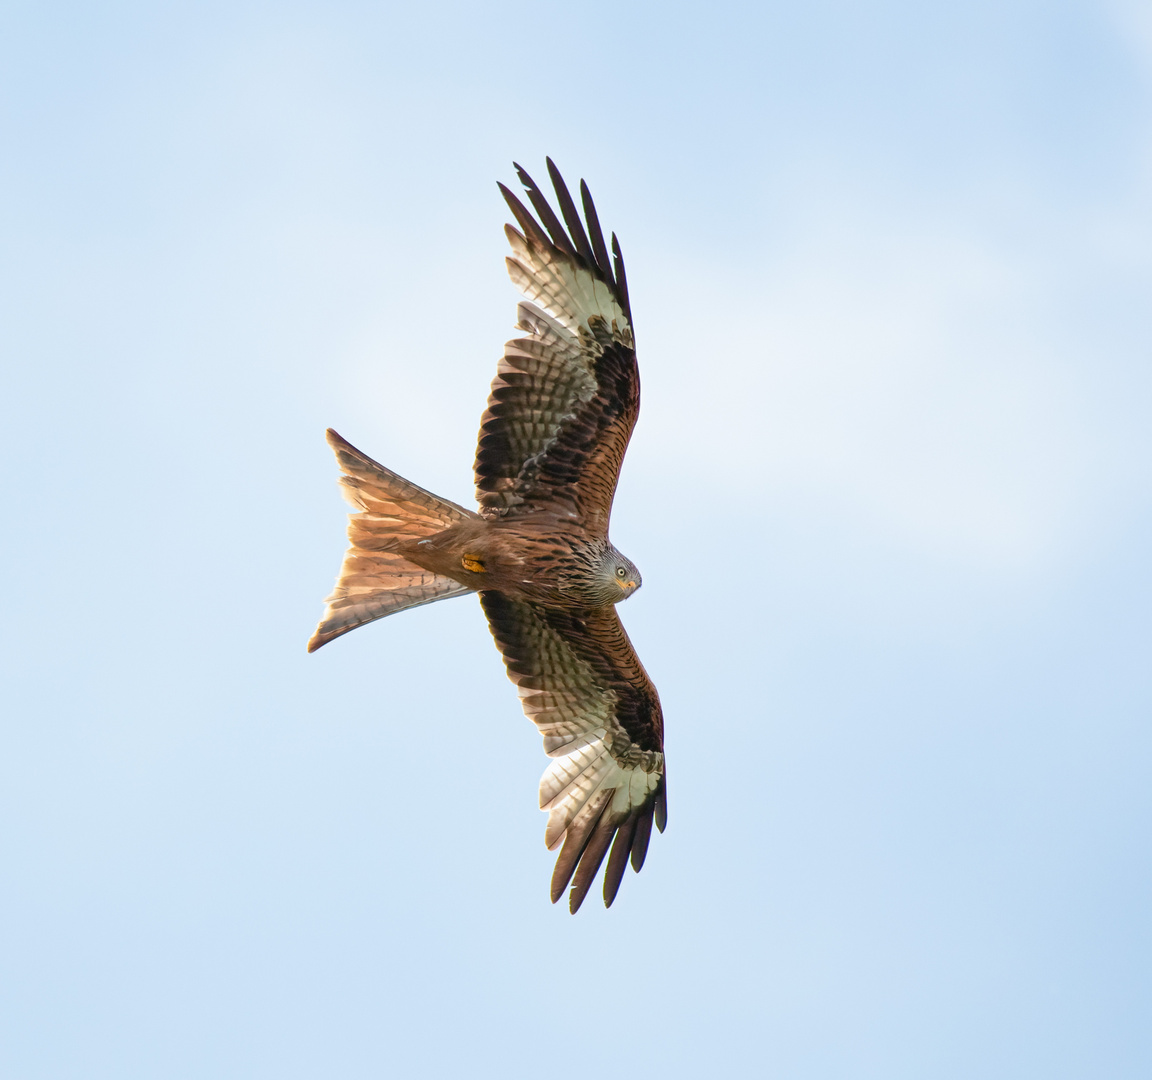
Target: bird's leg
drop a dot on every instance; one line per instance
(472, 563)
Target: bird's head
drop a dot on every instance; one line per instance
(618, 576)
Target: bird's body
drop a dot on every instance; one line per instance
(561, 412)
(543, 558)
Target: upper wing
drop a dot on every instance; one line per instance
(565, 398)
(581, 683)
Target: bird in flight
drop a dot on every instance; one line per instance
(552, 439)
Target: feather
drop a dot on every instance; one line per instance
(575, 843)
(596, 234)
(547, 216)
(590, 861)
(621, 278)
(571, 217)
(525, 220)
(375, 580)
(643, 833)
(618, 860)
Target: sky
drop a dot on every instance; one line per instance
(890, 492)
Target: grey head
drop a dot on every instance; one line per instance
(617, 577)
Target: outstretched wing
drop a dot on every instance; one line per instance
(581, 683)
(565, 397)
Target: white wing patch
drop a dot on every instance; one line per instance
(577, 720)
(570, 785)
(569, 293)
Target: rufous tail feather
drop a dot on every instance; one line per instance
(376, 581)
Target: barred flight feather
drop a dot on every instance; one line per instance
(567, 292)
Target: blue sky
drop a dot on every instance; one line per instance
(891, 494)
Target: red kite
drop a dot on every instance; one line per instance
(559, 417)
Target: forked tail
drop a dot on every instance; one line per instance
(376, 581)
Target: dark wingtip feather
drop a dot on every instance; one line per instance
(526, 181)
(547, 215)
(562, 873)
(575, 843)
(590, 861)
(585, 245)
(643, 835)
(618, 860)
(525, 220)
(566, 861)
(596, 234)
(621, 277)
(571, 216)
(662, 804)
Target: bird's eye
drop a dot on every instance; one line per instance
(621, 572)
